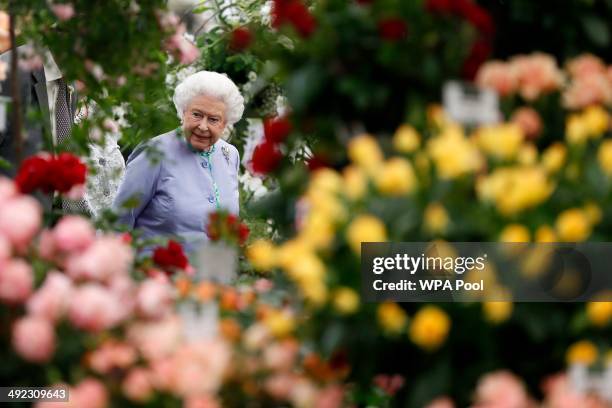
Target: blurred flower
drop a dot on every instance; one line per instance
(355, 182)
(553, 158)
(262, 255)
(73, 233)
(500, 141)
(279, 322)
(277, 129)
(528, 119)
(266, 158)
(95, 308)
(294, 12)
(390, 384)
(107, 257)
(364, 151)
(156, 339)
(593, 212)
(599, 313)
(604, 157)
(582, 352)
(561, 393)
(365, 228)
(391, 317)
(181, 47)
(137, 385)
(441, 402)
(240, 38)
(406, 139)
(63, 12)
(330, 397)
(20, 220)
(5, 40)
(303, 393)
(112, 355)
(280, 356)
(435, 218)
(395, 177)
(545, 233)
(537, 74)
(586, 64)
(16, 281)
(67, 171)
(514, 233)
(597, 120)
(497, 312)
(527, 154)
(573, 225)
(499, 76)
(90, 393)
(429, 327)
(586, 90)
(345, 300)
(154, 299)
(170, 257)
(501, 389)
(479, 53)
(51, 300)
(453, 154)
(392, 29)
(34, 339)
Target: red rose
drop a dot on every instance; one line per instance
(266, 158)
(170, 257)
(277, 129)
(439, 6)
(317, 162)
(241, 38)
(481, 49)
(294, 12)
(479, 18)
(34, 174)
(243, 233)
(67, 171)
(392, 29)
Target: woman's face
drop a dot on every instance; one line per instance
(204, 121)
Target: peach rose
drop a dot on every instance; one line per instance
(106, 257)
(537, 74)
(501, 389)
(201, 401)
(112, 355)
(586, 65)
(34, 339)
(330, 397)
(154, 299)
(529, 120)
(63, 12)
(156, 340)
(94, 308)
(51, 300)
(73, 233)
(89, 393)
(16, 281)
(588, 90)
(279, 386)
(499, 76)
(441, 402)
(281, 356)
(560, 394)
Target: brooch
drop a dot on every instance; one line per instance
(225, 152)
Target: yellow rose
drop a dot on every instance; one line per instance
(315, 292)
(582, 352)
(406, 139)
(553, 157)
(497, 312)
(365, 228)
(291, 251)
(452, 154)
(364, 151)
(596, 120)
(604, 156)
(326, 180)
(435, 218)
(545, 233)
(500, 141)
(327, 204)
(576, 129)
(436, 116)
(515, 233)
(391, 317)
(262, 255)
(573, 225)
(355, 182)
(345, 300)
(280, 322)
(317, 230)
(307, 269)
(429, 328)
(593, 212)
(527, 154)
(395, 177)
(599, 313)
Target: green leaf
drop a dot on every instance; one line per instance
(597, 30)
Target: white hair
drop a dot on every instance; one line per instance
(212, 84)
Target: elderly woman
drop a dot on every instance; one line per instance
(198, 173)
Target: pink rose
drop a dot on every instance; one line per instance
(501, 389)
(5, 249)
(499, 76)
(588, 90)
(16, 281)
(104, 258)
(76, 192)
(156, 339)
(263, 285)
(8, 189)
(46, 245)
(586, 65)
(112, 355)
(559, 393)
(201, 401)
(63, 12)
(51, 300)
(441, 402)
(94, 308)
(529, 120)
(34, 339)
(303, 393)
(89, 393)
(281, 356)
(20, 219)
(154, 299)
(279, 385)
(330, 397)
(181, 47)
(537, 74)
(73, 233)
(137, 385)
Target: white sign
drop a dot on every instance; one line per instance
(465, 103)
